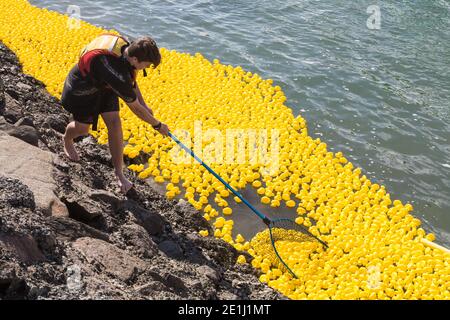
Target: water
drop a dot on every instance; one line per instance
(380, 96)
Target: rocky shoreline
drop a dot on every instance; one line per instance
(66, 233)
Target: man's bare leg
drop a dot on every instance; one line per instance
(115, 140)
(73, 130)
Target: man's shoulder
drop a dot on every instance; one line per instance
(111, 64)
(110, 61)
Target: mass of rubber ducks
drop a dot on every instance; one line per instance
(375, 248)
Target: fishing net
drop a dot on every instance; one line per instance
(277, 242)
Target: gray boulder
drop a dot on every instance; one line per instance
(23, 247)
(68, 229)
(138, 238)
(112, 260)
(12, 109)
(25, 133)
(34, 168)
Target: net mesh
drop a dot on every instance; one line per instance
(286, 229)
(281, 240)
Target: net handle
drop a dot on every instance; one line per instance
(235, 192)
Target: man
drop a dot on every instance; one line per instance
(106, 71)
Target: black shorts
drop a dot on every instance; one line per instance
(104, 102)
(86, 101)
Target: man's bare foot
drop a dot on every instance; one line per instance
(124, 184)
(70, 151)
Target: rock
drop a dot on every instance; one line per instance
(61, 164)
(36, 292)
(83, 208)
(15, 69)
(11, 286)
(7, 273)
(239, 284)
(105, 196)
(67, 229)
(182, 204)
(4, 125)
(58, 209)
(2, 97)
(25, 121)
(195, 255)
(12, 111)
(46, 241)
(23, 86)
(196, 285)
(193, 237)
(154, 273)
(15, 193)
(57, 123)
(189, 213)
(222, 252)
(152, 222)
(228, 296)
(25, 133)
(91, 151)
(173, 281)
(23, 247)
(171, 249)
(32, 166)
(150, 288)
(112, 260)
(85, 204)
(210, 273)
(137, 236)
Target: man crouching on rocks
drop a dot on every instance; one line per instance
(106, 71)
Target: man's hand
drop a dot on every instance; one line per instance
(164, 130)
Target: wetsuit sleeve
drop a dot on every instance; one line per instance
(107, 71)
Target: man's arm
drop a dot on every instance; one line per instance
(144, 114)
(120, 82)
(141, 98)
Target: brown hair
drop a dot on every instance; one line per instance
(145, 49)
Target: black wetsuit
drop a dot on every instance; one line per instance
(87, 97)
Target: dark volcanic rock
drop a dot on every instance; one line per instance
(171, 249)
(23, 247)
(57, 123)
(109, 258)
(83, 209)
(12, 111)
(25, 121)
(209, 273)
(174, 282)
(2, 97)
(151, 221)
(138, 238)
(12, 286)
(15, 193)
(25, 133)
(4, 125)
(67, 229)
